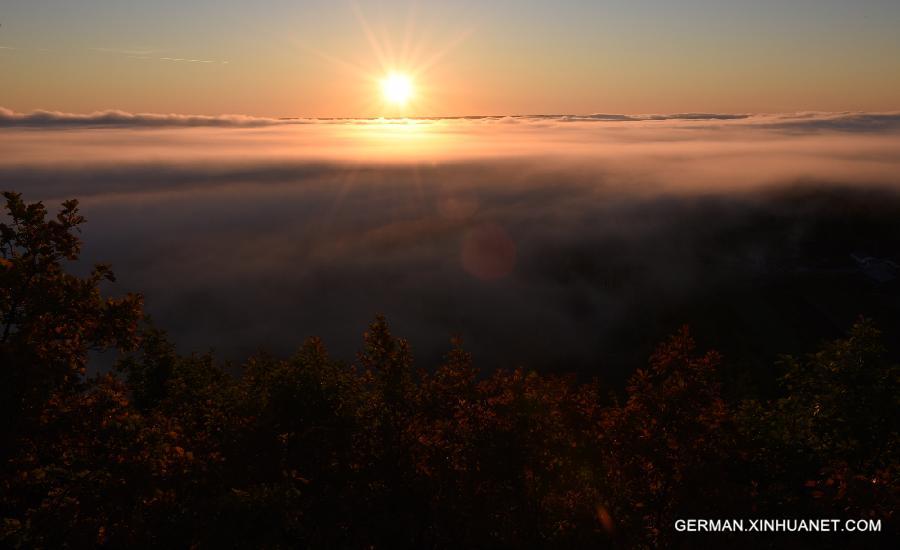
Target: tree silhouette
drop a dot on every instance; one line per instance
(50, 319)
(172, 450)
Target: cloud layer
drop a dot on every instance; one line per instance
(556, 242)
(849, 121)
(115, 118)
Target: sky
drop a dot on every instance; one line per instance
(280, 58)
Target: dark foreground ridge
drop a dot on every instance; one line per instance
(183, 451)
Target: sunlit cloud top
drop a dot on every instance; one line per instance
(689, 150)
(801, 121)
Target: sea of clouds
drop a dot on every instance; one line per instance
(558, 242)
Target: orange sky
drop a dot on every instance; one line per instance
(324, 59)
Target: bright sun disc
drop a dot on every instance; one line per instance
(397, 88)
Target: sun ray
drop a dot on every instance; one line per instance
(399, 65)
(437, 56)
(371, 37)
(408, 32)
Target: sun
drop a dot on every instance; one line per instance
(397, 88)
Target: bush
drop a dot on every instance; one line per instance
(181, 451)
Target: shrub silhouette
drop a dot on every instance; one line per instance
(49, 319)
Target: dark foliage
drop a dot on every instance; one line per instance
(178, 451)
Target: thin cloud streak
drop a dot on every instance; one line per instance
(798, 122)
(191, 60)
(116, 118)
(128, 52)
(146, 54)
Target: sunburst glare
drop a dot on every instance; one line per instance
(397, 89)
